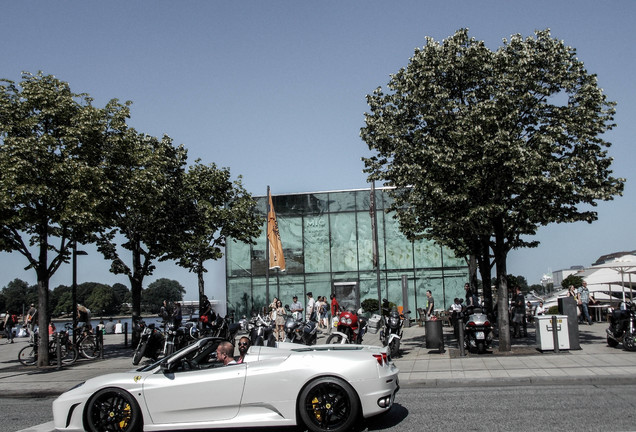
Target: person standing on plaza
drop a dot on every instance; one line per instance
(335, 308)
(584, 300)
(8, 326)
(519, 313)
(176, 315)
(310, 306)
(280, 321)
(31, 320)
(296, 307)
(318, 308)
(430, 304)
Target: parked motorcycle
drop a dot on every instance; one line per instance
(351, 328)
(391, 331)
(299, 331)
(478, 333)
(224, 328)
(151, 342)
(261, 331)
(622, 327)
(179, 337)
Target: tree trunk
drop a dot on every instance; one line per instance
(484, 271)
(43, 303)
(136, 280)
(201, 286)
(502, 288)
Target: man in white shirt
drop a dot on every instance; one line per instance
(310, 305)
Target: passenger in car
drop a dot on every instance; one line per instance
(243, 346)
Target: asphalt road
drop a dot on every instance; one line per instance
(528, 408)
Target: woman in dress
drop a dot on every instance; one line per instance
(280, 321)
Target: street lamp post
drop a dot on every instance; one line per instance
(74, 289)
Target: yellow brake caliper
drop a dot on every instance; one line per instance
(124, 422)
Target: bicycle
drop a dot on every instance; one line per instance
(87, 344)
(28, 355)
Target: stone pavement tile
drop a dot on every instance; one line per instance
(519, 373)
(492, 364)
(473, 364)
(438, 365)
(499, 373)
(510, 363)
(421, 366)
(540, 372)
(417, 376)
(477, 374)
(456, 364)
(437, 375)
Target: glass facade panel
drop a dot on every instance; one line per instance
(399, 250)
(291, 229)
(342, 201)
(316, 240)
(237, 256)
(365, 241)
(288, 287)
(327, 242)
(318, 285)
(427, 254)
(344, 247)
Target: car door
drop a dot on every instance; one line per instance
(195, 395)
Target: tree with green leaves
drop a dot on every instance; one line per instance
(484, 147)
(160, 290)
(219, 209)
(18, 295)
(146, 210)
(576, 281)
(51, 181)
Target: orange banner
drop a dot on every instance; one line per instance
(276, 257)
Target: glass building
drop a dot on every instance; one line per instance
(327, 241)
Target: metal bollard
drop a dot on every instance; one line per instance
(58, 349)
(555, 334)
(100, 341)
(125, 335)
(460, 336)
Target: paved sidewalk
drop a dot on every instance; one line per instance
(419, 366)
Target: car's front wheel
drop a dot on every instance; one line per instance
(112, 409)
(328, 404)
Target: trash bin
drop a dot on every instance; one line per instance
(544, 332)
(434, 335)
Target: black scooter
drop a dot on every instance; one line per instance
(478, 332)
(261, 331)
(299, 331)
(623, 328)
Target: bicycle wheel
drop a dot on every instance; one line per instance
(28, 355)
(69, 354)
(88, 347)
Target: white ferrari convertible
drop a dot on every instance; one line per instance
(325, 387)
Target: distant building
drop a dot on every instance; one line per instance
(327, 240)
(559, 275)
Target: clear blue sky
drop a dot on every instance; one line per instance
(233, 80)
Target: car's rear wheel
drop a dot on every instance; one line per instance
(112, 409)
(328, 404)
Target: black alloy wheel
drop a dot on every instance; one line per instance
(328, 404)
(112, 409)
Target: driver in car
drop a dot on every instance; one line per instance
(225, 353)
